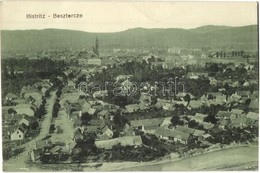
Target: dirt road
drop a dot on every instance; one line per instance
(18, 163)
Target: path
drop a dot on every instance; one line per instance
(18, 163)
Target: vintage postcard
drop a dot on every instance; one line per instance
(129, 86)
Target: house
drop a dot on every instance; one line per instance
(147, 125)
(101, 93)
(123, 141)
(235, 84)
(32, 96)
(82, 62)
(85, 105)
(71, 84)
(223, 114)
(243, 93)
(35, 155)
(166, 122)
(200, 117)
(71, 97)
(126, 86)
(195, 104)
(41, 144)
(122, 77)
(24, 110)
(19, 132)
(128, 130)
(91, 111)
(27, 120)
(253, 115)
(71, 107)
(11, 97)
(68, 72)
(224, 123)
(254, 105)
(146, 99)
(169, 106)
(11, 119)
(107, 132)
(101, 123)
(183, 94)
(75, 115)
(104, 114)
(246, 84)
(234, 98)
(214, 95)
(175, 135)
(237, 111)
(70, 146)
(198, 133)
(240, 122)
(45, 91)
(95, 62)
(132, 108)
(78, 136)
(213, 81)
(94, 129)
(185, 129)
(254, 95)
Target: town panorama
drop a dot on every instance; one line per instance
(136, 100)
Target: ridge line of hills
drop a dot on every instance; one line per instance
(244, 37)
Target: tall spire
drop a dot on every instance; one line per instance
(96, 48)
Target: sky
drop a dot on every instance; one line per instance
(118, 16)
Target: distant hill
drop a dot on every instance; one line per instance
(207, 36)
(209, 28)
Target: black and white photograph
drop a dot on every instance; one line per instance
(129, 86)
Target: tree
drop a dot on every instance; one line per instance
(192, 124)
(187, 98)
(120, 121)
(175, 120)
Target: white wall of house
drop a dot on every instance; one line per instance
(17, 135)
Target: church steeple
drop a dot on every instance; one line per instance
(96, 47)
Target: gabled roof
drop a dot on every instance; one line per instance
(42, 144)
(243, 93)
(35, 95)
(254, 104)
(124, 141)
(132, 106)
(172, 133)
(25, 110)
(146, 122)
(207, 125)
(10, 128)
(98, 122)
(185, 129)
(146, 98)
(166, 121)
(78, 135)
(195, 104)
(237, 111)
(55, 149)
(224, 114)
(103, 113)
(198, 133)
(253, 115)
(200, 116)
(215, 94)
(91, 129)
(11, 96)
(91, 111)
